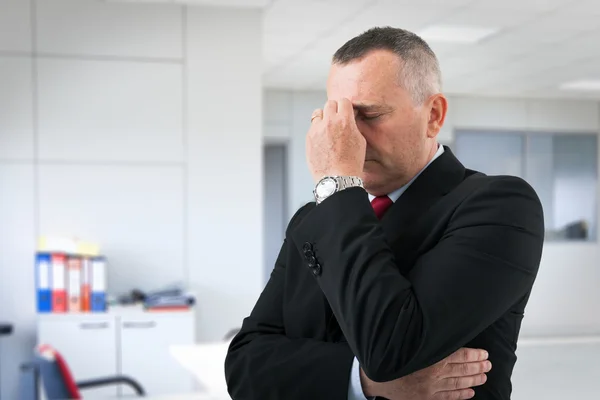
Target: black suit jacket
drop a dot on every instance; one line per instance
(451, 264)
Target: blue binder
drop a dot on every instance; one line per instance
(98, 285)
(43, 275)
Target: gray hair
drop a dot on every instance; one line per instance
(420, 75)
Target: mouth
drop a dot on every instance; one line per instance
(369, 164)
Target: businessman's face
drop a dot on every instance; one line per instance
(399, 135)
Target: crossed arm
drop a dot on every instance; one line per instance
(394, 325)
(263, 363)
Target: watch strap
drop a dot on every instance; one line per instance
(342, 182)
(345, 182)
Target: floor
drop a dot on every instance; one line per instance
(558, 369)
(546, 369)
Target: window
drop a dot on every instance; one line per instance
(562, 168)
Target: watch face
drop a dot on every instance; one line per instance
(326, 187)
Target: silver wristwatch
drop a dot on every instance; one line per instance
(333, 184)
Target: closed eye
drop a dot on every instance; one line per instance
(369, 117)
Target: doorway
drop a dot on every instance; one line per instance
(274, 202)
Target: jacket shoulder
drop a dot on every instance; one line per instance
(503, 199)
(506, 185)
(299, 216)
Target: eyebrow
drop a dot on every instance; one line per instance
(365, 108)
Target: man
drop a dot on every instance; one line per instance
(369, 298)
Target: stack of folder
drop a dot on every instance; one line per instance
(70, 276)
(174, 299)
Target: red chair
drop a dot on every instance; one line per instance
(58, 381)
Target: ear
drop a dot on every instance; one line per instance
(438, 107)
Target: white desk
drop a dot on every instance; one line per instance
(206, 362)
(191, 396)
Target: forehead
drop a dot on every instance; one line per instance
(374, 77)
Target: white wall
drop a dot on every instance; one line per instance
(565, 300)
(224, 165)
(136, 126)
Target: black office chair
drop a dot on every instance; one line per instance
(5, 330)
(49, 368)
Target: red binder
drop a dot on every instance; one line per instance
(59, 292)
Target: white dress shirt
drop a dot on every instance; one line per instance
(355, 391)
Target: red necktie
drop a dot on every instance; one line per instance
(380, 205)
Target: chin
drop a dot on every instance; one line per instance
(372, 180)
(375, 178)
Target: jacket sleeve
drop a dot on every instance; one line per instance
(486, 261)
(263, 363)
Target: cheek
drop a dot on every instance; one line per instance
(383, 136)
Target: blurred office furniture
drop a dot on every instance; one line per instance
(206, 361)
(170, 298)
(124, 341)
(58, 382)
(190, 396)
(561, 167)
(577, 230)
(231, 334)
(29, 382)
(5, 330)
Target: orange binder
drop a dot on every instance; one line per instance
(74, 283)
(86, 290)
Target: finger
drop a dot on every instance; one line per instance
(455, 395)
(330, 109)
(467, 355)
(466, 369)
(345, 108)
(316, 115)
(464, 382)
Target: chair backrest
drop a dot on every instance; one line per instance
(28, 382)
(55, 374)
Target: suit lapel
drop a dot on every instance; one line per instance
(438, 179)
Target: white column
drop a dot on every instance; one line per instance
(223, 54)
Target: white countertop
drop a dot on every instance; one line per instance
(190, 396)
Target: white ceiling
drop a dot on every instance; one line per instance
(540, 44)
(209, 3)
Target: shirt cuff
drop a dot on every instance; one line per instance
(355, 391)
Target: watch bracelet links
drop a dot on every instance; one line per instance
(346, 182)
(351, 181)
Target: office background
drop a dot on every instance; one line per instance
(143, 127)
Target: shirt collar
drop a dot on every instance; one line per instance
(395, 195)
